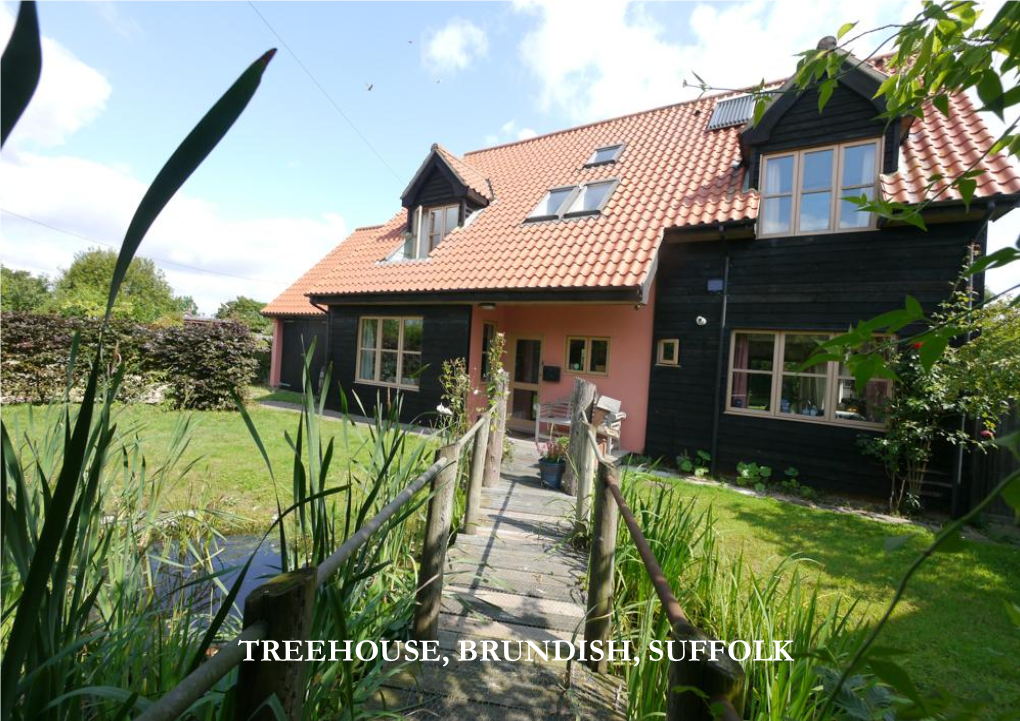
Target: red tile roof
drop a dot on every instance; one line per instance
(672, 173)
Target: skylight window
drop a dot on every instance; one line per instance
(551, 206)
(592, 198)
(608, 154)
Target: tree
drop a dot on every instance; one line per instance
(22, 291)
(247, 311)
(145, 297)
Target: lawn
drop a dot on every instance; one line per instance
(230, 474)
(952, 622)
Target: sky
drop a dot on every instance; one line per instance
(347, 111)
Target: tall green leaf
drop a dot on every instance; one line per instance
(185, 160)
(20, 69)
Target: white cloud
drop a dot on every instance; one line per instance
(598, 60)
(510, 131)
(97, 201)
(70, 94)
(455, 46)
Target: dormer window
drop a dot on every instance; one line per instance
(802, 192)
(431, 226)
(574, 201)
(608, 154)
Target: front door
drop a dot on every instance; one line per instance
(525, 374)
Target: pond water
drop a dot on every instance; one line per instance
(231, 553)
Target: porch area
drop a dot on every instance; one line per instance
(548, 345)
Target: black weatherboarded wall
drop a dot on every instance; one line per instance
(446, 333)
(823, 282)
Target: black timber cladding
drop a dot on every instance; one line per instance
(298, 335)
(446, 334)
(822, 282)
(847, 116)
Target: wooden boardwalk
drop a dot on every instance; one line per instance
(516, 580)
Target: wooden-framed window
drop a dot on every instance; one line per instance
(668, 352)
(766, 379)
(431, 226)
(588, 355)
(802, 191)
(389, 351)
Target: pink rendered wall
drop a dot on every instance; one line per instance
(276, 355)
(630, 351)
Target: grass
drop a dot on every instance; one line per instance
(952, 622)
(229, 474)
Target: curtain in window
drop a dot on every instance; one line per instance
(741, 352)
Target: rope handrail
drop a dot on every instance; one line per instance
(177, 701)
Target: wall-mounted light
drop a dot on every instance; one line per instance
(487, 306)
(701, 320)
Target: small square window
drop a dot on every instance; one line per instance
(592, 198)
(669, 352)
(608, 154)
(551, 205)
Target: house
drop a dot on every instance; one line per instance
(682, 259)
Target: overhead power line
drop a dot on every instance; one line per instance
(163, 261)
(326, 94)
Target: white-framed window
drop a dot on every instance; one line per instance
(668, 352)
(588, 355)
(802, 191)
(389, 351)
(608, 154)
(766, 379)
(574, 201)
(434, 225)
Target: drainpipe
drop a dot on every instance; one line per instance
(717, 404)
(956, 502)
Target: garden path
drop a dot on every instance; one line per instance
(517, 579)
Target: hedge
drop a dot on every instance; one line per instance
(192, 366)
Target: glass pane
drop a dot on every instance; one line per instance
(366, 370)
(522, 405)
(859, 165)
(752, 391)
(411, 369)
(436, 220)
(412, 334)
(668, 351)
(368, 330)
(814, 211)
(550, 204)
(604, 155)
(591, 197)
(798, 348)
(452, 216)
(388, 367)
(870, 407)
(390, 333)
(527, 361)
(776, 214)
(817, 174)
(575, 354)
(850, 216)
(599, 356)
(778, 175)
(803, 396)
(753, 351)
(488, 334)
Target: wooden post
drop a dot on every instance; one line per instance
(494, 456)
(433, 550)
(580, 414)
(285, 603)
(479, 456)
(585, 464)
(720, 679)
(598, 620)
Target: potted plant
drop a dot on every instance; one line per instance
(553, 461)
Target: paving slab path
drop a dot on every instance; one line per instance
(517, 579)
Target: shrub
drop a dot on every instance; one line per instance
(205, 362)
